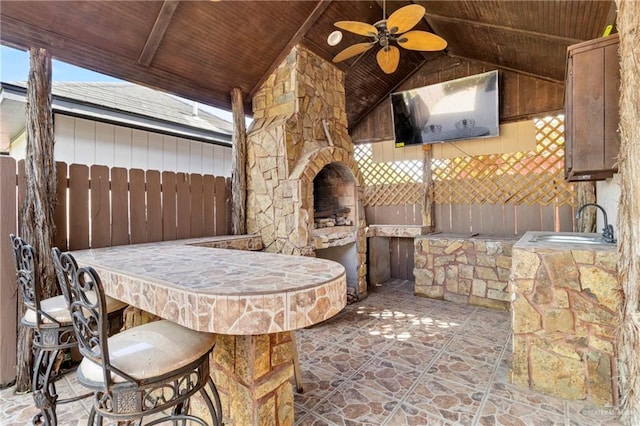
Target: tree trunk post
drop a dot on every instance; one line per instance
(239, 160)
(37, 226)
(428, 202)
(628, 221)
(586, 193)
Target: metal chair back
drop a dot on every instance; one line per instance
(89, 315)
(26, 276)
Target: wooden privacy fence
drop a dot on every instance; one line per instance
(99, 207)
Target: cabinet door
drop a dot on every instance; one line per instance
(588, 111)
(592, 111)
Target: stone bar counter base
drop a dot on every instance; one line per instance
(564, 318)
(261, 392)
(471, 270)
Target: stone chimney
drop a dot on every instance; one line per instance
(299, 129)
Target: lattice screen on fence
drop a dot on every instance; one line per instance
(530, 178)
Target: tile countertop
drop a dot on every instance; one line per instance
(218, 290)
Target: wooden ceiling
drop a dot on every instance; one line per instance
(202, 49)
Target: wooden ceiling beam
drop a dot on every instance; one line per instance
(468, 22)
(517, 71)
(321, 6)
(157, 32)
(76, 52)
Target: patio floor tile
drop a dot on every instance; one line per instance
(395, 359)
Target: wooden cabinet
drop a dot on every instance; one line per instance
(592, 114)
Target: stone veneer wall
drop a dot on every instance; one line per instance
(465, 270)
(564, 319)
(286, 148)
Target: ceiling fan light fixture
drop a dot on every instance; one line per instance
(396, 29)
(334, 38)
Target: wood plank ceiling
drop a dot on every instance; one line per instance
(202, 49)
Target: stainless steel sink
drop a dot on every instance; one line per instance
(569, 239)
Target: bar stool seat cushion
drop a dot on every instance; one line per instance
(150, 350)
(56, 307)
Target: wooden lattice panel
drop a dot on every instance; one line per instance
(394, 194)
(391, 183)
(531, 178)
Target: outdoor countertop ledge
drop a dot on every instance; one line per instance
(221, 291)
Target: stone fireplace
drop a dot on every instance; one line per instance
(304, 188)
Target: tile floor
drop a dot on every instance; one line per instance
(397, 359)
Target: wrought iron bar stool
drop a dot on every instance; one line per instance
(148, 369)
(52, 332)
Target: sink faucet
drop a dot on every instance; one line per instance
(607, 231)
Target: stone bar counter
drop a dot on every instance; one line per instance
(565, 303)
(466, 269)
(253, 300)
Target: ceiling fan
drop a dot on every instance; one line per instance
(394, 29)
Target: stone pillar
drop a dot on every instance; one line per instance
(253, 376)
(563, 310)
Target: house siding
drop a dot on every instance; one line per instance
(83, 141)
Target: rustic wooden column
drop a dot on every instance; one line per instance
(628, 223)
(37, 224)
(586, 193)
(239, 160)
(428, 202)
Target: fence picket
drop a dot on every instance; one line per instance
(208, 204)
(221, 208)
(137, 206)
(119, 206)
(78, 207)
(197, 219)
(154, 205)
(22, 182)
(100, 207)
(8, 290)
(60, 212)
(169, 224)
(183, 197)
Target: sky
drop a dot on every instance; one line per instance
(14, 66)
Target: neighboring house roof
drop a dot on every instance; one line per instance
(124, 104)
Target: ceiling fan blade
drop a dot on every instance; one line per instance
(421, 40)
(356, 27)
(351, 51)
(405, 18)
(388, 59)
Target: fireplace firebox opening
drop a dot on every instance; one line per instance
(334, 197)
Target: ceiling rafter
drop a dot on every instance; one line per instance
(75, 52)
(506, 68)
(317, 11)
(157, 32)
(550, 37)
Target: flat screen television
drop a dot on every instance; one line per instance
(465, 108)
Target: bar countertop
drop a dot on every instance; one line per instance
(220, 290)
